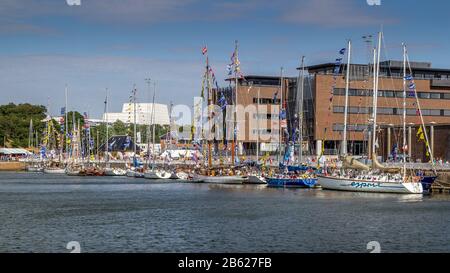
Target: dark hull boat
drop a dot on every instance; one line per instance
(291, 182)
(427, 182)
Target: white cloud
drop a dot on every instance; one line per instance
(34, 78)
(334, 13)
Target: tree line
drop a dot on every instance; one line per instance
(15, 126)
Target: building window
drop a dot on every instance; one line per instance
(411, 112)
(434, 112)
(266, 101)
(385, 111)
(338, 109)
(338, 127)
(424, 95)
(339, 92)
(435, 95)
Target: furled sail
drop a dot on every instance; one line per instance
(350, 162)
(377, 165)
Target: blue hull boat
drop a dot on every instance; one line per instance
(291, 182)
(427, 182)
(293, 168)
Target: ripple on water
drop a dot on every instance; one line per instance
(42, 213)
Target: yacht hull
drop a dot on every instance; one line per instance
(55, 171)
(345, 184)
(150, 175)
(223, 179)
(256, 179)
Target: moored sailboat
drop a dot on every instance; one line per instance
(355, 176)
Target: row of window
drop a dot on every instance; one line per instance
(265, 131)
(390, 94)
(363, 72)
(392, 111)
(351, 127)
(265, 116)
(266, 101)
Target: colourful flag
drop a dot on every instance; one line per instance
(420, 134)
(204, 50)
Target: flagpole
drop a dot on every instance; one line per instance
(65, 120)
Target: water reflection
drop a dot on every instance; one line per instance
(110, 214)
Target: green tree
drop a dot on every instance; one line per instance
(15, 123)
(119, 128)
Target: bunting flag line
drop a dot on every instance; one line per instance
(411, 85)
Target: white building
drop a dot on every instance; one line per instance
(143, 114)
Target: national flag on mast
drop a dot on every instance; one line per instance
(204, 50)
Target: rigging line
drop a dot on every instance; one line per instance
(312, 105)
(392, 82)
(421, 118)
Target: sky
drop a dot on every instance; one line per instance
(116, 44)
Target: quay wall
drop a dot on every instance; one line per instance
(12, 166)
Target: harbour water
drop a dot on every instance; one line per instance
(42, 213)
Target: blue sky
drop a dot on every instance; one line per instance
(46, 44)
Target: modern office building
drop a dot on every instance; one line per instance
(257, 122)
(432, 85)
(323, 110)
(143, 114)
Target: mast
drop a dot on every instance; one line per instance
(404, 109)
(78, 138)
(107, 129)
(257, 126)
(30, 134)
(280, 136)
(208, 89)
(235, 133)
(300, 88)
(422, 121)
(148, 81)
(66, 122)
(134, 127)
(347, 84)
(153, 125)
(375, 93)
